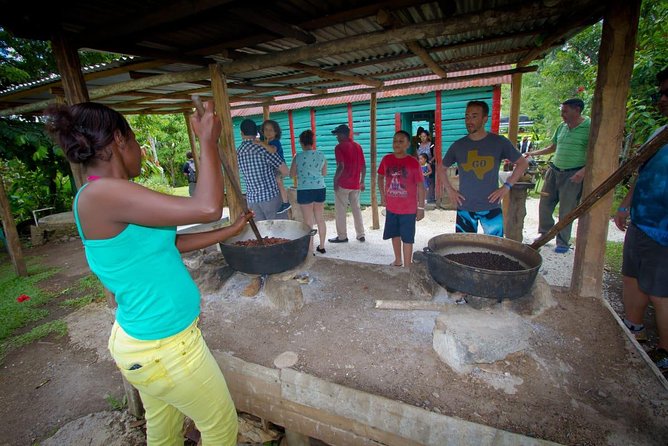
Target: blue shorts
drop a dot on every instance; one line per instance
(399, 225)
(308, 196)
(491, 221)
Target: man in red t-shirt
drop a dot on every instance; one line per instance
(402, 193)
(348, 183)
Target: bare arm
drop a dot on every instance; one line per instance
(110, 204)
(337, 175)
(362, 178)
(453, 193)
(521, 166)
(624, 210)
(293, 168)
(421, 197)
(324, 169)
(381, 189)
(546, 151)
(283, 169)
(192, 242)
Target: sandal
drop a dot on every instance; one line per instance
(394, 264)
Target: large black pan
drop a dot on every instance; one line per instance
(269, 259)
(479, 281)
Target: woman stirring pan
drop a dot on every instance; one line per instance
(130, 240)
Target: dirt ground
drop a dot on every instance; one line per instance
(599, 390)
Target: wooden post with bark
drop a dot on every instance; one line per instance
(74, 85)
(373, 162)
(620, 27)
(509, 220)
(193, 142)
(11, 234)
(226, 148)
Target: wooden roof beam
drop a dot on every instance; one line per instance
(449, 80)
(424, 56)
(339, 76)
(556, 34)
(438, 28)
(272, 23)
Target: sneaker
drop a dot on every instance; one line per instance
(338, 240)
(638, 331)
(361, 239)
(284, 207)
(660, 358)
(560, 249)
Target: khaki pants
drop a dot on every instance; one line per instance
(558, 188)
(345, 197)
(175, 376)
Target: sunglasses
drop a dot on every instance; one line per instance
(656, 96)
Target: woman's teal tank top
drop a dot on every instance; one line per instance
(155, 293)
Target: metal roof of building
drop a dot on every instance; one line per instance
(286, 47)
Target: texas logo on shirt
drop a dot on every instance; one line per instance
(479, 164)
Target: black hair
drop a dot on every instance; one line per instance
(662, 76)
(277, 128)
(84, 130)
(575, 102)
(189, 154)
(426, 157)
(482, 104)
(306, 138)
(405, 133)
(248, 127)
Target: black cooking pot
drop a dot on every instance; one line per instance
(269, 259)
(479, 281)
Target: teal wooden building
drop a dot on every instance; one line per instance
(440, 111)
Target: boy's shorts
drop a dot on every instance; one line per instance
(645, 260)
(399, 225)
(308, 196)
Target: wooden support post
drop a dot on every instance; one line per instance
(193, 141)
(11, 235)
(513, 123)
(74, 85)
(517, 210)
(373, 162)
(226, 148)
(620, 27)
(135, 406)
(265, 112)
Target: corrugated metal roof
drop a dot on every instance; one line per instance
(263, 48)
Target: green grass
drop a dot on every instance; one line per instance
(180, 191)
(14, 314)
(613, 256)
(91, 286)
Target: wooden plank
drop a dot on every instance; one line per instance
(324, 74)
(411, 305)
(11, 235)
(620, 27)
(513, 124)
(426, 59)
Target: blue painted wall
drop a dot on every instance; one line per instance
(453, 106)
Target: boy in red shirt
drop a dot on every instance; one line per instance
(403, 197)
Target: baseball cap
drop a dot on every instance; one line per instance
(341, 129)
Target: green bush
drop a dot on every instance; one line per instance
(157, 183)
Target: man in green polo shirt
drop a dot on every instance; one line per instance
(563, 179)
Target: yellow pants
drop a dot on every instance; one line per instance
(177, 376)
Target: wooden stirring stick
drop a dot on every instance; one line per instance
(228, 171)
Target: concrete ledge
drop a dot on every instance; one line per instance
(341, 415)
